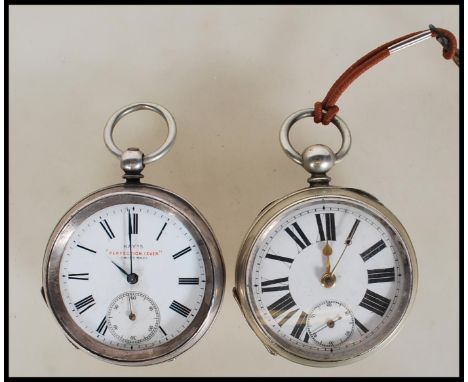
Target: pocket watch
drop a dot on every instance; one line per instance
(133, 272)
(326, 274)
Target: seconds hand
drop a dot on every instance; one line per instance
(329, 323)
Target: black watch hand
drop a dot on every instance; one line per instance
(120, 268)
(130, 240)
(132, 278)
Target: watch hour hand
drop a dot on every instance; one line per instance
(120, 269)
(328, 279)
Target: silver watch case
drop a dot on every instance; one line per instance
(196, 224)
(267, 216)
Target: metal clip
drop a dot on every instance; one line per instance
(410, 41)
(444, 41)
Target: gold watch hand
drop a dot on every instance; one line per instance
(327, 279)
(327, 265)
(327, 252)
(348, 242)
(339, 259)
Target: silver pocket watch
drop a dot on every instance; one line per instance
(133, 272)
(325, 275)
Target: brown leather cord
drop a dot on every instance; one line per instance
(446, 38)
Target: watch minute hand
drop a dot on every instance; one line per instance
(130, 240)
(348, 242)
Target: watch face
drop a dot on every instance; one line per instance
(132, 276)
(134, 281)
(328, 279)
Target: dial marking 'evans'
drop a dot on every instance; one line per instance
(375, 302)
(303, 242)
(373, 250)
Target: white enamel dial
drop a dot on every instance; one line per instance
(162, 271)
(328, 279)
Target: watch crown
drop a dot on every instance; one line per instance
(132, 163)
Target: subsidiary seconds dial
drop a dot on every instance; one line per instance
(330, 323)
(133, 317)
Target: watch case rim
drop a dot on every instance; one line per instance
(199, 227)
(273, 210)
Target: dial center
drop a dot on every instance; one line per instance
(328, 280)
(132, 278)
(309, 285)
